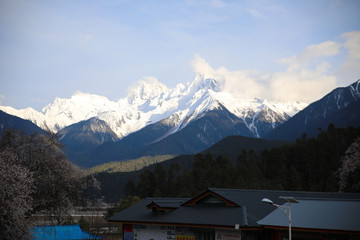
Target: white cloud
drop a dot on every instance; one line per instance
(350, 69)
(301, 81)
(199, 64)
(306, 86)
(324, 49)
(352, 44)
(304, 79)
(328, 48)
(307, 77)
(244, 84)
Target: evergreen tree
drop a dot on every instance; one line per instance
(130, 188)
(161, 180)
(147, 184)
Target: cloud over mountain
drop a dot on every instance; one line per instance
(304, 77)
(242, 84)
(351, 67)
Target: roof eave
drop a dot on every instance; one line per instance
(312, 229)
(187, 225)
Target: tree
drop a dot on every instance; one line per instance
(171, 179)
(247, 172)
(161, 180)
(147, 184)
(57, 184)
(349, 173)
(130, 188)
(15, 199)
(293, 182)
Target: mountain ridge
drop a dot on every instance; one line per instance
(340, 107)
(187, 119)
(151, 102)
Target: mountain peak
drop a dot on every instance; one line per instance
(355, 88)
(145, 90)
(199, 76)
(200, 82)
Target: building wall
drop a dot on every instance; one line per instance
(143, 232)
(149, 232)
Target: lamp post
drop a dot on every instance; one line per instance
(285, 209)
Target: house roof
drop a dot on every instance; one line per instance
(341, 215)
(242, 207)
(61, 232)
(184, 215)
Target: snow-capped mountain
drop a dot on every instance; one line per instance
(340, 107)
(151, 102)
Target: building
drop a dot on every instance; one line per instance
(231, 214)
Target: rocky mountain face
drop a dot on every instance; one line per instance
(340, 107)
(202, 132)
(85, 136)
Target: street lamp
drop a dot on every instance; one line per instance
(285, 209)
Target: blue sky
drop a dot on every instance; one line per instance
(273, 49)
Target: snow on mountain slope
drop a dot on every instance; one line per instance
(151, 102)
(340, 107)
(28, 113)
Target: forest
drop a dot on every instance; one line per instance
(328, 163)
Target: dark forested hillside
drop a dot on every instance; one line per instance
(307, 165)
(8, 121)
(232, 146)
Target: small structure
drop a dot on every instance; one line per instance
(229, 214)
(61, 232)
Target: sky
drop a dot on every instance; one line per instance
(278, 50)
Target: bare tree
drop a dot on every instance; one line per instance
(349, 173)
(57, 184)
(15, 200)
